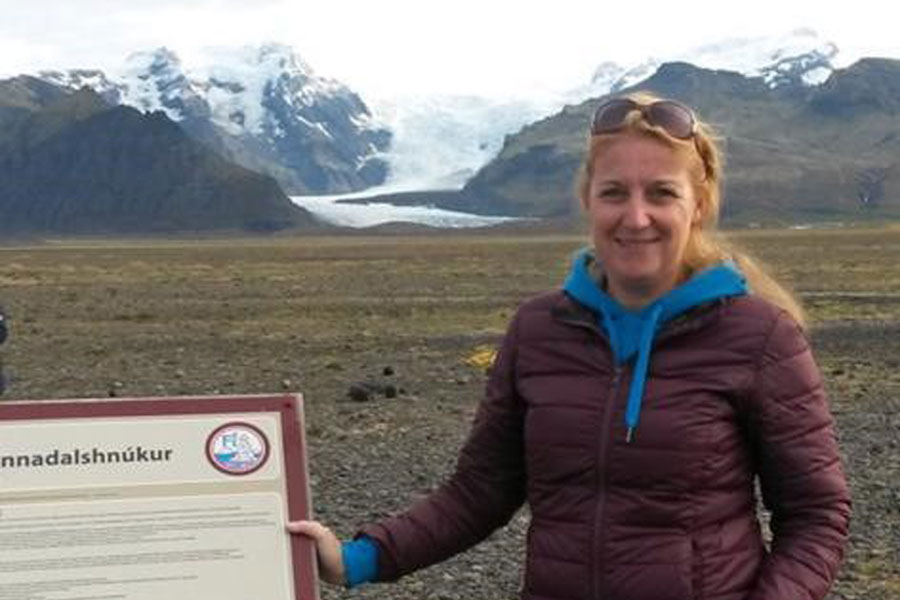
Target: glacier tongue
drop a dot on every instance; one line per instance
(330, 210)
(440, 141)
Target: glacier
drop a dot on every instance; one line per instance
(329, 209)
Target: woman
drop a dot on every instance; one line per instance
(634, 409)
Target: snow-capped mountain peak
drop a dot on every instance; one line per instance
(76, 79)
(160, 62)
(157, 80)
(236, 85)
(800, 57)
(283, 57)
(262, 107)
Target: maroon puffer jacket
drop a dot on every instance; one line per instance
(732, 392)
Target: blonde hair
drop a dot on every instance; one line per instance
(706, 246)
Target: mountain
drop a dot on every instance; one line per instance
(70, 163)
(799, 58)
(263, 108)
(793, 152)
(780, 104)
(440, 141)
(266, 109)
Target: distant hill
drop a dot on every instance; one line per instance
(825, 152)
(70, 163)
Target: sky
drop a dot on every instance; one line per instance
(394, 47)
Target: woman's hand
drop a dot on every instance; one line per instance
(328, 549)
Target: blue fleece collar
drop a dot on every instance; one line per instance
(631, 333)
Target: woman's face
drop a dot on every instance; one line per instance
(641, 206)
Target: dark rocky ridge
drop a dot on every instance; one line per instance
(872, 84)
(69, 163)
(21, 96)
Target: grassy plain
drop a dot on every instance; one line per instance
(316, 314)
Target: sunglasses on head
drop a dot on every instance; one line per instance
(672, 117)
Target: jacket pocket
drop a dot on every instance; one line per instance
(654, 580)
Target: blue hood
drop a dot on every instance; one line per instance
(631, 333)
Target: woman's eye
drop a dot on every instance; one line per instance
(664, 194)
(611, 194)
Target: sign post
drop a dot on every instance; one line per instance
(148, 498)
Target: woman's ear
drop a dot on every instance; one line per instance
(700, 203)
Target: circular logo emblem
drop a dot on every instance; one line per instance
(237, 448)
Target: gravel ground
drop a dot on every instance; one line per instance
(318, 316)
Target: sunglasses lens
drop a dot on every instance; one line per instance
(611, 115)
(677, 120)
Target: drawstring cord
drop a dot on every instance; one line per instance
(636, 391)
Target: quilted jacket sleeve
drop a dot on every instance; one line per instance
(802, 480)
(484, 492)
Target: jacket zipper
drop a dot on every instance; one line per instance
(603, 450)
(599, 537)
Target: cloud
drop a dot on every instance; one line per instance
(467, 46)
(100, 33)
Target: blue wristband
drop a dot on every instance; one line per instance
(360, 559)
